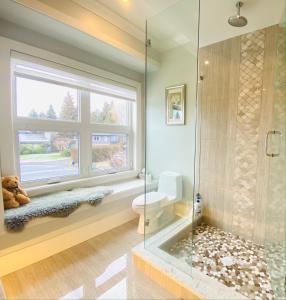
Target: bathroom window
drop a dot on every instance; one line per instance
(69, 126)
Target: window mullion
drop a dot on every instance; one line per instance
(104, 128)
(45, 125)
(131, 144)
(85, 139)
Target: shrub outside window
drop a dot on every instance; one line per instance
(109, 152)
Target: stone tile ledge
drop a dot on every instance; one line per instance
(196, 282)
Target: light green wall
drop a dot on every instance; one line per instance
(172, 148)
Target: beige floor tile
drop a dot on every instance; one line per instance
(100, 268)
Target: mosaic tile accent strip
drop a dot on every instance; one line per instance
(234, 261)
(247, 132)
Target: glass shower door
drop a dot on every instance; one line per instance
(170, 128)
(275, 151)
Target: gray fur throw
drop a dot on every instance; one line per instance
(60, 204)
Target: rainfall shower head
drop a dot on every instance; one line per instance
(238, 20)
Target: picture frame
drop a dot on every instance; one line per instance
(175, 104)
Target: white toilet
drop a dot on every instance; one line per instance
(160, 204)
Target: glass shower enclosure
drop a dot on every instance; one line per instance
(215, 130)
(275, 247)
(171, 88)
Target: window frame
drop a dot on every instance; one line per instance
(83, 127)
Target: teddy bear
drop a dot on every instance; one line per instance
(13, 193)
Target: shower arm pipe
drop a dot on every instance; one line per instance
(238, 5)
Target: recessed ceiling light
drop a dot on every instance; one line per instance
(207, 62)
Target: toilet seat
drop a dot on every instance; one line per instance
(153, 199)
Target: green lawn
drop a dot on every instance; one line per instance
(48, 156)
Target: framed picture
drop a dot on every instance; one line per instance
(175, 104)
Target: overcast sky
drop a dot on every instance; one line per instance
(38, 95)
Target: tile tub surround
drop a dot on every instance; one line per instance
(174, 274)
(231, 260)
(194, 285)
(238, 92)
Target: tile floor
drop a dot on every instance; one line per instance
(232, 260)
(100, 268)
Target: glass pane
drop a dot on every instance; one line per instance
(42, 100)
(45, 155)
(109, 152)
(108, 110)
(171, 79)
(276, 204)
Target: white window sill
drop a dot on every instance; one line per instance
(123, 193)
(83, 182)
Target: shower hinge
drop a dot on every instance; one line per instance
(148, 43)
(147, 222)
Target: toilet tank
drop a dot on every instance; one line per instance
(170, 183)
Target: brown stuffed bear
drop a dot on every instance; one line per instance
(13, 194)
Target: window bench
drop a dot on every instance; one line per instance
(47, 236)
(59, 204)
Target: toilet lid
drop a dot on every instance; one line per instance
(152, 199)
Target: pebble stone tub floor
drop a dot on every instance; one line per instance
(232, 260)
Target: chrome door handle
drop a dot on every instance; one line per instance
(272, 132)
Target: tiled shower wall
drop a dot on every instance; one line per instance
(236, 100)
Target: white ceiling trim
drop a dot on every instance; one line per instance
(113, 18)
(88, 23)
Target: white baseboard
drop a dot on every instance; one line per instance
(19, 259)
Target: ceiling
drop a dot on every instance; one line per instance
(137, 11)
(170, 23)
(213, 15)
(28, 17)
